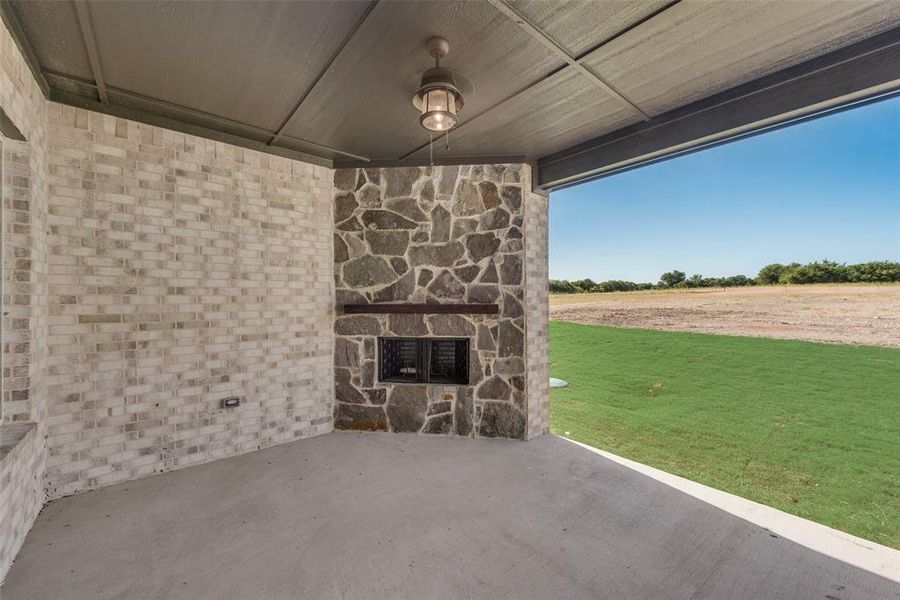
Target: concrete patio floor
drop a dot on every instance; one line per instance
(393, 516)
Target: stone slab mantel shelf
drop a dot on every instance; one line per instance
(422, 309)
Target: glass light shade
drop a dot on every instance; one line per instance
(439, 110)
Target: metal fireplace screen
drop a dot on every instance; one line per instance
(423, 360)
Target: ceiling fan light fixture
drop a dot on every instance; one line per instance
(438, 99)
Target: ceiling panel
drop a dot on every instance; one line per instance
(580, 25)
(246, 61)
(700, 47)
(53, 32)
(563, 110)
(241, 67)
(364, 104)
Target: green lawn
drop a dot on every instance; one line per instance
(811, 429)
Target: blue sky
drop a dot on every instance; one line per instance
(827, 188)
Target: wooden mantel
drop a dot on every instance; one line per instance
(418, 308)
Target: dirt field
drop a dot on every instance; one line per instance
(844, 313)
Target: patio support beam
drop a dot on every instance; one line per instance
(488, 159)
(191, 115)
(83, 11)
(142, 116)
(862, 72)
(555, 47)
(279, 133)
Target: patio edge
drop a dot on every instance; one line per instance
(864, 554)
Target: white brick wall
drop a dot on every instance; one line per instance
(172, 271)
(24, 303)
(181, 271)
(24, 218)
(21, 489)
(537, 312)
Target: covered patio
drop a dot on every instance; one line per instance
(275, 317)
(353, 515)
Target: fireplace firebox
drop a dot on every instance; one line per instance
(423, 360)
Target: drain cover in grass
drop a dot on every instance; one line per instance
(558, 383)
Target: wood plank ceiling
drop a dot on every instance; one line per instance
(331, 82)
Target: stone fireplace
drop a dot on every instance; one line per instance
(431, 269)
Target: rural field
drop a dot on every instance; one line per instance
(836, 313)
(807, 427)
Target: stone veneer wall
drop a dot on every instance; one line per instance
(448, 235)
(24, 214)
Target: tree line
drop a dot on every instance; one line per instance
(825, 271)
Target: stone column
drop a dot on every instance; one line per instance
(451, 234)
